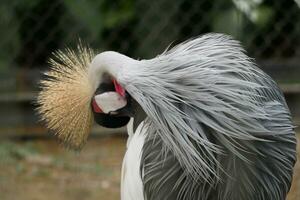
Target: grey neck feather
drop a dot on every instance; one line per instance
(216, 116)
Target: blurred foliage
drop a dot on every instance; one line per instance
(98, 15)
(11, 152)
(32, 29)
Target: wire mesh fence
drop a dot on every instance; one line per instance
(32, 29)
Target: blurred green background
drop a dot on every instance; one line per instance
(32, 164)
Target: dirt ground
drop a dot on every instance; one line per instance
(44, 170)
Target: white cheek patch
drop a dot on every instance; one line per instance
(110, 101)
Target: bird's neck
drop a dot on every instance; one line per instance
(109, 62)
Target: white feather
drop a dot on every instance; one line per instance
(131, 181)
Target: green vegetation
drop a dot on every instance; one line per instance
(11, 152)
(32, 29)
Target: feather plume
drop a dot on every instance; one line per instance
(216, 113)
(66, 92)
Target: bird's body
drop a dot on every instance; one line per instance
(207, 124)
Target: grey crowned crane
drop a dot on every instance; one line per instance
(204, 122)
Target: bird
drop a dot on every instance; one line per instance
(204, 121)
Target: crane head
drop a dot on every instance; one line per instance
(81, 88)
(111, 104)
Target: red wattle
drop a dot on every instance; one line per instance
(119, 89)
(96, 108)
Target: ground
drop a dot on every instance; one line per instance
(44, 170)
